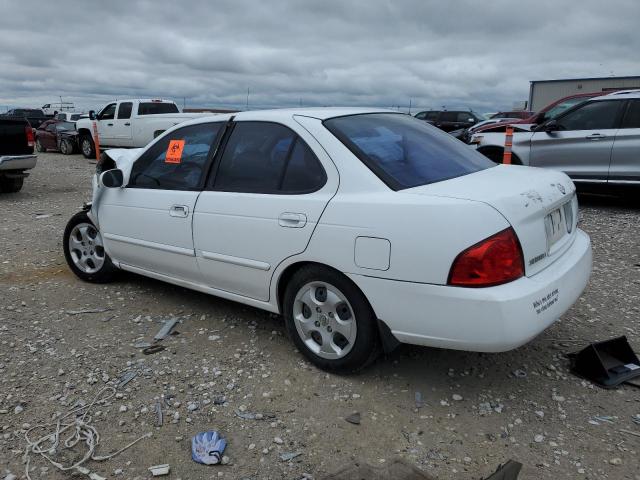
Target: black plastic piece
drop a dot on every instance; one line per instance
(388, 339)
(508, 471)
(607, 364)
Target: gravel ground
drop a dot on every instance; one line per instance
(229, 358)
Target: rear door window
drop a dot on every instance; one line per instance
(404, 152)
(266, 157)
(178, 161)
(152, 108)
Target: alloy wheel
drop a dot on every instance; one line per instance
(86, 248)
(324, 320)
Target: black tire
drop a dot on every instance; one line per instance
(87, 147)
(11, 185)
(106, 273)
(39, 146)
(66, 147)
(365, 348)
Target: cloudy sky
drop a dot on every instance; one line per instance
(480, 54)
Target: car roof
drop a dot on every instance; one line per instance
(321, 113)
(621, 94)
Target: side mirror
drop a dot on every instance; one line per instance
(551, 126)
(112, 178)
(539, 119)
(92, 115)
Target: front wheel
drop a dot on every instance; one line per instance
(84, 251)
(87, 147)
(330, 320)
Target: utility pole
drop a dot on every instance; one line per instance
(247, 98)
(410, 105)
(184, 103)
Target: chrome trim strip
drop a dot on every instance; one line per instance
(145, 243)
(242, 262)
(625, 182)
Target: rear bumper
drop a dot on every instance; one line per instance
(18, 162)
(493, 319)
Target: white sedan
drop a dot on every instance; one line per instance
(363, 228)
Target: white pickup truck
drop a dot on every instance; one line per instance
(129, 123)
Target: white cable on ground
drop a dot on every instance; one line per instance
(78, 422)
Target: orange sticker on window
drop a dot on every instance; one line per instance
(174, 152)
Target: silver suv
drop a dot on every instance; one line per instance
(597, 141)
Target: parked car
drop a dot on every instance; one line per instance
(465, 133)
(57, 135)
(35, 116)
(595, 142)
(50, 109)
(71, 116)
(363, 228)
(518, 114)
(129, 123)
(16, 153)
(449, 120)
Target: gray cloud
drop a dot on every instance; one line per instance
(358, 52)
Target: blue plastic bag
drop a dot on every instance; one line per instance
(207, 447)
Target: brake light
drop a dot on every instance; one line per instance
(493, 261)
(30, 137)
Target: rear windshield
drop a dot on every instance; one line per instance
(151, 108)
(405, 152)
(30, 113)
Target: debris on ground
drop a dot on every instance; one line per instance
(166, 329)
(208, 447)
(73, 428)
(88, 310)
(160, 470)
(354, 418)
(287, 457)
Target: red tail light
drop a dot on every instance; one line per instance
(30, 138)
(495, 260)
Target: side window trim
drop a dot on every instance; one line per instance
(228, 131)
(213, 149)
(627, 113)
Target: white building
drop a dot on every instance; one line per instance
(544, 92)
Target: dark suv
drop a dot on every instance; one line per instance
(449, 120)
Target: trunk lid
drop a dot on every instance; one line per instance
(540, 205)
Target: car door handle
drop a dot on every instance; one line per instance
(110, 124)
(595, 136)
(292, 220)
(181, 211)
(127, 124)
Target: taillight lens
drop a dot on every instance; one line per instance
(495, 260)
(30, 138)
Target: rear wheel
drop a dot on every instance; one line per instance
(84, 251)
(66, 147)
(87, 147)
(11, 185)
(39, 147)
(330, 320)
